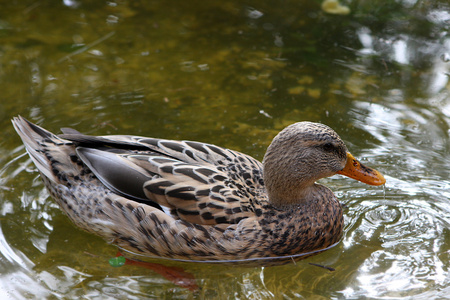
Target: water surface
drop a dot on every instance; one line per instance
(235, 73)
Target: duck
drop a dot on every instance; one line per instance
(194, 201)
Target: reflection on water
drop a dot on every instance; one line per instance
(411, 223)
(234, 75)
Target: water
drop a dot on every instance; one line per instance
(234, 74)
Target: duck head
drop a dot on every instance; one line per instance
(301, 154)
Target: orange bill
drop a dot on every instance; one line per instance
(356, 170)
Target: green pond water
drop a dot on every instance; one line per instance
(234, 73)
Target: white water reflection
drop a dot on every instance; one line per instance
(440, 74)
(396, 243)
(20, 281)
(400, 51)
(411, 222)
(411, 50)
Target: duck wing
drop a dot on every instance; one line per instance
(195, 182)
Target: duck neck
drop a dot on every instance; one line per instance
(298, 195)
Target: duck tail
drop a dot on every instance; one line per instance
(40, 144)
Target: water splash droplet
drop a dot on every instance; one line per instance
(445, 57)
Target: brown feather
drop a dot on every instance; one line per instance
(194, 201)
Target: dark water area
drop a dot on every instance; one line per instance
(234, 74)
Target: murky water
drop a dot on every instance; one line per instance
(234, 74)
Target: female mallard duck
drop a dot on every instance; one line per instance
(194, 201)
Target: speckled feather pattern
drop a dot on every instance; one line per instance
(178, 199)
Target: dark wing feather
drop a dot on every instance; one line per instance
(196, 182)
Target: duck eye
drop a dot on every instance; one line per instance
(328, 147)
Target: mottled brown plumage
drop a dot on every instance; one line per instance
(195, 201)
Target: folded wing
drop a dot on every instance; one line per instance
(196, 182)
